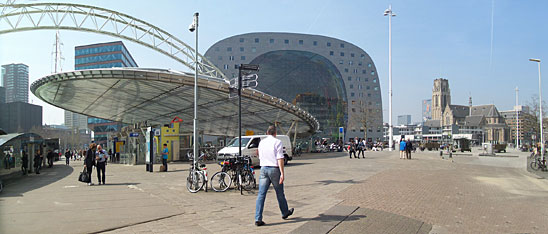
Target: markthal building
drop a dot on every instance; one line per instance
(333, 80)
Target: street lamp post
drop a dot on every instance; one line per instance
(540, 108)
(194, 27)
(388, 12)
(517, 119)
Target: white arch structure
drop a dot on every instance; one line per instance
(77, 17)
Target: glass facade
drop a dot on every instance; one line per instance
(104, 55)
(308, 80)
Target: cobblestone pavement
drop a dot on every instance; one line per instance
(460, 196)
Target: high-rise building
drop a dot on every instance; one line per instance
(102, 55)
(526, 123)
(76, 121)
(20, 117)
(15, 79)
(2, 95)
(404, 119)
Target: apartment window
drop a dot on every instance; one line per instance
(353, 110)
(372, 73)
(369, 95)
(350, 63)
(376, 88)
(331, 52)
(362, 56)
(241, 49)
(364, 72)
(301, 42)
(360, 86)
(329, 44)
(369, 65)
(353, 102)
(352, 55)
(256, 40)
(225, 66)
(315, 43)
(216, 48)
(351, 94)
(346, 70)
(351, 86)
(349, 78)
(286, 41)
(374, 80)
(355, 71)
(253, 49)
(242, 40)
(367, 87)
(342, 54)
(231, 58)
(341, 61)
(271, 40)
(342, 45)
(366, 79)
(359, 63)
(236, 66)
(229, 49)
(358, 79)
(220, 57)
(242, 58)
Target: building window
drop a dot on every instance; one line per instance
(349, 78)
(367, 87)
(351, 86)
(355, 71)
(231, 58)
(253, 49)
(374, 80)
(242, 40)
(233, 75)
(369, 95)
(358, 79)
(350, 63)
(216, 48)
(361, 95)
(315, 43)
(351, 94)
(220, 57)
(346, 70)
(341, 61)
(331, 52)
(352, 55)
(329, 44)
(286, 41)
(301, 42)
(364, 72)
(225, 66)
(242, 58)
(342, 45)
(235, 66)
(242, 49)
(372, 73)
(256, 40)
(353, 102)
(359, 63)
(271, 40)
(376, 88)
(229, 49)
(354, 110)
(369, 65)
(366, 79)
(362, 56)
(342, 54)
(360, 86)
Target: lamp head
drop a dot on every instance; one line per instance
(534, 60)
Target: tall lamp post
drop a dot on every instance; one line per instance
(517, 119)
(194, 27)
(388, 12)
(540, 107)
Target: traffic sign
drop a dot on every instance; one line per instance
(134, 134)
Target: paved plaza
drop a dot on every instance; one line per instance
(329, 191)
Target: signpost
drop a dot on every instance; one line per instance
(248, 79)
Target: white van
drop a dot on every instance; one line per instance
(250, 145)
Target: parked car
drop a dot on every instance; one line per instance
(250, 145)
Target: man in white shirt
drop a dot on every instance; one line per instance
(272, 171)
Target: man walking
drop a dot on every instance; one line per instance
(272, 171)
(101, 159)
(67, 157)
(165, 153)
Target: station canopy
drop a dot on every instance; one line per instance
(135, 95)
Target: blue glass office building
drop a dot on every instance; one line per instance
(102, 55)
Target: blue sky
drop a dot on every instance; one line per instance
(431, 39)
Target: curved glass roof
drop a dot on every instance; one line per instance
(132, 95)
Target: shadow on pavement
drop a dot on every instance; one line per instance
(17, 185)
(115, 184)
(328, 182)
(320, 218)
(296, 164)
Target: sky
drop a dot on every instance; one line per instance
(481, 46)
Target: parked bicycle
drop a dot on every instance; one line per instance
(237, 171)
(538, 163)
(197, 178)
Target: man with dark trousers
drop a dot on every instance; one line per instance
(165, 153)
(67, 157)
(89, 161)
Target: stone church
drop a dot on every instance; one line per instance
(482, 123)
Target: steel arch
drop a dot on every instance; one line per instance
(65, 16)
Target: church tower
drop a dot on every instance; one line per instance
(441, 97)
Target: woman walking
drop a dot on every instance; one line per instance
(89, 161)
(101, 157)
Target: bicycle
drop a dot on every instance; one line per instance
(297, 151)
(538, 163)
(197, 178)
(237, 171)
